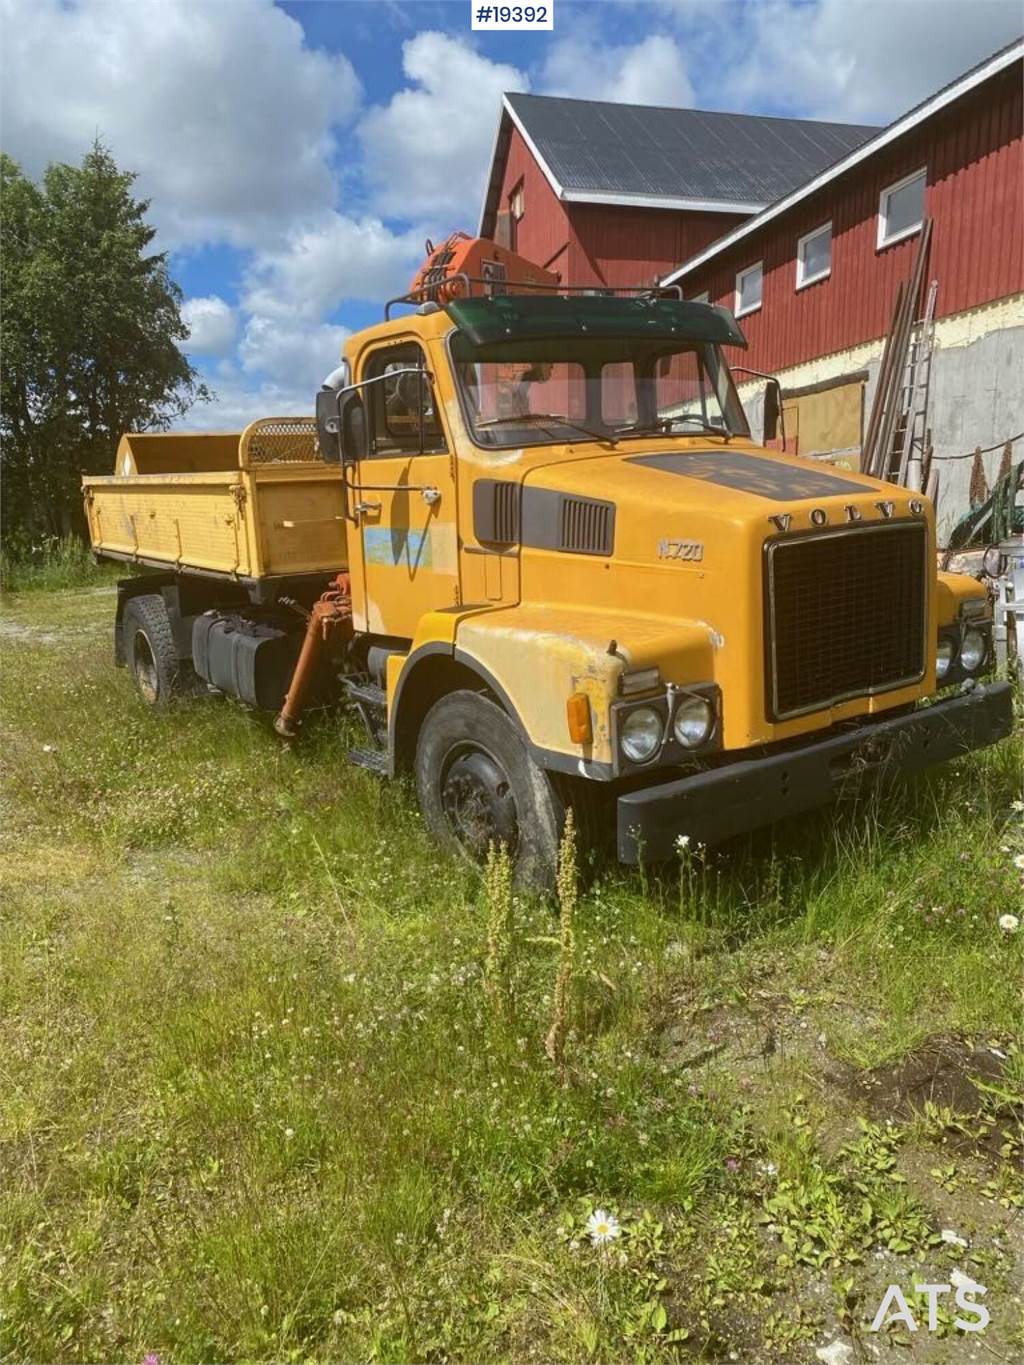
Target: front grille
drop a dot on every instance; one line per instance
(845, 615)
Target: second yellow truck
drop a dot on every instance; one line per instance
(530, 539)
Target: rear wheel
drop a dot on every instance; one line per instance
(150, 652)
(478, 785)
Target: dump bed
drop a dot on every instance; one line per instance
(256, 505)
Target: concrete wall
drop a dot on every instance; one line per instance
(977, 393)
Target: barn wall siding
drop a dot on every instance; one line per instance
(974, 191)
(544, 228)
(617, 247)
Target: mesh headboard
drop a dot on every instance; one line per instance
(280, 440)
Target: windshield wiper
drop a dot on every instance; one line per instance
(666, 423)
(610, 437)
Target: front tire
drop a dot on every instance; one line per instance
(477, 785)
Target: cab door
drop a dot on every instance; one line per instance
(402, 496)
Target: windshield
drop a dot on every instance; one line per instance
(534, 392)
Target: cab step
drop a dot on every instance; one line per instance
(375, 760)
(366, 693)
(372, 704)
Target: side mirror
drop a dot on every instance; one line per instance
(772, 409)
(352, 420)
(340, 426)
(328, 425)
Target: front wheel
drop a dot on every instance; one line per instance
(478, 785)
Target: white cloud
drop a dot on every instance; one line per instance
(327, 261)
(294, 355)
(238, 402)
(211, 323)
(222, 108)
(856, 61)
(427, 151)
(652, 71)
(278, 366)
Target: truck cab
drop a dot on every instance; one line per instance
(566, 576)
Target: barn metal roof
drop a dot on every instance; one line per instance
(597, 152)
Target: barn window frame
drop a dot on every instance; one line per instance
(802, 278)
(885, 237)
(516, 212)
(740, 310)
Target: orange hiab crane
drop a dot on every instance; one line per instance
(464, 265)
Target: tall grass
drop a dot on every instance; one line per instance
(47, 563)
(264, 1101)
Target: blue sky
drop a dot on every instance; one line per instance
(297, 154)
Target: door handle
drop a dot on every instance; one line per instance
(431, 495)
(365, 509)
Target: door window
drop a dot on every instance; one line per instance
(403, 413)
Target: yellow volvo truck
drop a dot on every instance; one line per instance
(529, 538)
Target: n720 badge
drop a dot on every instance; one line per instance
(691, 550)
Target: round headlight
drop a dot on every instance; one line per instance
(972, 650)
(943, 656)
(641, 734)
(693, 721)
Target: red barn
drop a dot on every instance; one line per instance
(812, 278)
(618, 194)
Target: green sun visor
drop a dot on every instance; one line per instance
(555, 317)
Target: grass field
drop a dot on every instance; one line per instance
(275, 1081)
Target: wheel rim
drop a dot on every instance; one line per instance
(144, 667)
(477, 799)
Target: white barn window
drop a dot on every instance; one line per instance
(901, 208)
(748, 289)
(814, 256)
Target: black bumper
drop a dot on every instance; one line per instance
(714, 805)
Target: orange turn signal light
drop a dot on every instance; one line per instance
(577, 713)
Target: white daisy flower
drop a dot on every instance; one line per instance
(602, 1227)
(1018, 806)
(1009, 924)
(1019, 861)
(682, 842)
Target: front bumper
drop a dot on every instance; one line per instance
(714, 805)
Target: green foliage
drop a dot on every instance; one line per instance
(89, 335)
(827, 1217)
